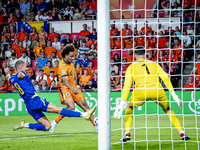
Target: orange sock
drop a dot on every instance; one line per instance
(92, 121)
(58, 119)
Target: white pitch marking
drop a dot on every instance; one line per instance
(27, 137)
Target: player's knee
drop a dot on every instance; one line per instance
(71, 107)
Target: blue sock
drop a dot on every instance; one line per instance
(70, 113)
(37, 126)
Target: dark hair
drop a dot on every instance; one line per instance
(66, 50)
(119, 60)
(41, 70)
(94, 29)
(52, 71)
(112, 71)
(18, 63)
(48, 61)
(24, 52)
(22, 26)
(87, 36)
(13, 54)
(176, 38)
(140, 50)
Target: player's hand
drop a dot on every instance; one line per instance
(118, 110)
(75, 91)
(177, 99)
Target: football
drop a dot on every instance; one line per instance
(96, 120)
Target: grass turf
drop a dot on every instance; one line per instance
(78, 134)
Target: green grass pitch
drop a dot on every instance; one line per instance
(78, 134)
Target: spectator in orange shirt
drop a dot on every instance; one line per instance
(82, 4)
(47, 68)
(113, 31)
(20, 49)
(126, 29)
(147, 29)
(29, 69)
(15, 45)
(52, 34)
(78, 70)
(37, 50)
(174, 59)
(84, 32)
(178, 47)
(114, 81)
(91, 69)
(140, 39)
(20, 35)
(151, 41)
(42, 33)
(60, 50)
(190, 85)
(128, 41)
(33, 33)
(3, 87)
(44, 42)
(51, 78)
(84, 78)
(197, 66)
(93, 5)
(162, 40)
(129, 58)
(55, 68)
(88, 41)
(48, 50)
(119, 44)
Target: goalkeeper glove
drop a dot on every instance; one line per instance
(176, 99)
(118, 110)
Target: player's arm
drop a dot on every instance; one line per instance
(165, 78)
(66, 82)
(125, 92)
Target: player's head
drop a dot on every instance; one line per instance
(68, 53)
(20, 66)
(139, 52)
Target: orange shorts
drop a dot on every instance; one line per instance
(66, 93)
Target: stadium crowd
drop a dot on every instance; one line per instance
(42, 51)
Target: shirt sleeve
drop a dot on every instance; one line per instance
(165, 78)
(127, 83)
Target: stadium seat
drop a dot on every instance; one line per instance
(72, 35)
(37, 72)
(94, 62)
(33, 63)
(112, 53)
(124, 53)
(63, 35)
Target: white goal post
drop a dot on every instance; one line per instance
(103, 25)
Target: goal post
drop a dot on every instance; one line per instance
(103, 22)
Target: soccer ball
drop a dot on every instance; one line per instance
(96, 120)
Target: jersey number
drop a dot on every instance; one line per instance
(19, 89)
(146, 68)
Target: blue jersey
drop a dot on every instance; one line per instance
(24, 87)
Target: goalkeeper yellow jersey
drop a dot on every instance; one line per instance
(146, 76)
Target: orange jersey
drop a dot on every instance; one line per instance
(123, 32)
(59, 54)
(29, 70)
(32, 35)
(91, 71)
(178, 49)
(55, 70)
(37, 50)
(89, 43)
(14, 46)
(147, 29)
(47, 70)
(112, 32)
(84, 33)
(49, 50)
(65, 69)
(189, 85)
(128, 42)
(43, 45)
(198, 68)
(41, 35)
(119, 45)
(140, 41)
(129, 58)
(20, 36)
(116, 79)
(84, 79)
(78, 71)
(19, 51)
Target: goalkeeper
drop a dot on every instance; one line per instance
(147, 87)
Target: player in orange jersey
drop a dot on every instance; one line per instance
(69, 93)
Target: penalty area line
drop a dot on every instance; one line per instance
(28, 137)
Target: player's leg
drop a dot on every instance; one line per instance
(82, 103)
(163, 102)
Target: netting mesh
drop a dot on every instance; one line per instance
(169, 30)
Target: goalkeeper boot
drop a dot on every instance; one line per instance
(20, 125)
(89, 113)
(184, 137)
(53, 126)
(126, 137)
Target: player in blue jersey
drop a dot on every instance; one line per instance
(36, 105)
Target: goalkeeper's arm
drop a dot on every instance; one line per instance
(125, 92)
(165, 78)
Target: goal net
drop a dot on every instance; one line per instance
(169, 31)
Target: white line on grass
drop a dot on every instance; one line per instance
(27, 137)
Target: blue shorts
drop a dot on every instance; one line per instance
(35, 106)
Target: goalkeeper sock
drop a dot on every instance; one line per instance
(174, 120)
(70, 113)
(37, 126)
(92, 121)
(128, 119)
(58, 119)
